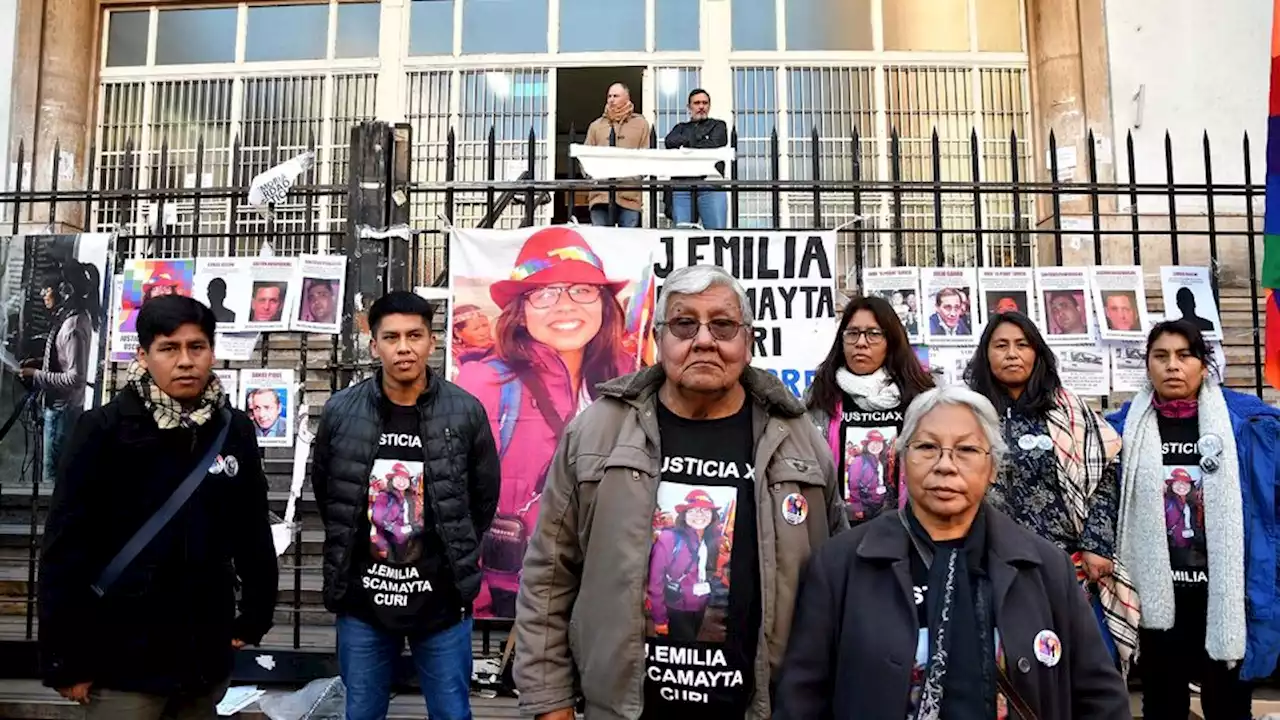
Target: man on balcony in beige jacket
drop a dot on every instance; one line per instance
(619, 126)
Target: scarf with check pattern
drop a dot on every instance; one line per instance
(1088, 453)
(169, 413)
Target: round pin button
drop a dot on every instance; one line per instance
(1210, 464)
(1210, 444)
(1024, 665)
(1044, 442)
(1027, 442)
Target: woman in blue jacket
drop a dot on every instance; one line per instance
(1197, 526)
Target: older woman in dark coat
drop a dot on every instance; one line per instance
(947, 609)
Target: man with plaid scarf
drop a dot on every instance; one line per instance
(159, 642)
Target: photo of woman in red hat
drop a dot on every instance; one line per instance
(560, 330)
(685, 572)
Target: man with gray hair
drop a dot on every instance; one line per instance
(694, 489)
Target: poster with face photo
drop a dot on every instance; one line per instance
(1068, 313)
(576, 306)
(268, 397)
(322, 280)
(1188, 295)
(225, 285)
(1006, 290)
(949, 295)
(146, 279)
(1120, 301)
(271, 293)
(900, 287)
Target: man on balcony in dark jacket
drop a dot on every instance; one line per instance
(406, 478)
(159, 642)
(700, 132)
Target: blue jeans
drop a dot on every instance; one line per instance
(366, 659)
(713, 208)
(626, 218)
(58, 424)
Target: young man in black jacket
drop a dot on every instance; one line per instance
(406, 477)
(701, 132)
(159, 642)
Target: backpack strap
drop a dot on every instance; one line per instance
(508, 403)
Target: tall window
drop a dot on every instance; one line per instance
(977, 90)
(178, 80)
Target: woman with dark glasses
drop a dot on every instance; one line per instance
(1198, 530)
(862, 388)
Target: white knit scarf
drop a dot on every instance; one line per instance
(1143, 541)
(875, 391)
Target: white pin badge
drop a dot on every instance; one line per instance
(217, 466)
(1027, 442)
(233, 466)
(1048, 648)
(1044, 442)
(795, 508)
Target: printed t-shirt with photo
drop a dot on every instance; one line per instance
(404, 573)
(1184, 500)
(866, 459)
(702, 598)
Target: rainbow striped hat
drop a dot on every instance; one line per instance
(557, 254)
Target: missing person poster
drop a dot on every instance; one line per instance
(949, 296)
(268, 397)
(1083, 370)
(790, 281)
(1188, 295)
(271, 293)
(145, 279)
(230, 380)
(321, 279)
(1120, 301)
(1005, 289)
(948, 364)
(575, 305)
(1065, 297)
(900, 287)
(225, 285)
(1128, 366)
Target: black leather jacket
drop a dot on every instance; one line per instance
(462, 477)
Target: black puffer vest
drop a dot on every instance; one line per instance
(461, 476)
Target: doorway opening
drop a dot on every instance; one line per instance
(580, 98)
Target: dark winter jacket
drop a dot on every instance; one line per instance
(166, 626)
(854, 641)
(700, 135)
(461, 475)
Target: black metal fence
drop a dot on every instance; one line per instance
(974, 207)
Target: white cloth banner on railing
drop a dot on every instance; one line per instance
(606, 163)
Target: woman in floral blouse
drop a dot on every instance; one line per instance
(1060, 480)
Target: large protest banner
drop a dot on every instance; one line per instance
(790, 281)
(539, 317)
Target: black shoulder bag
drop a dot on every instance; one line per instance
(156, 522)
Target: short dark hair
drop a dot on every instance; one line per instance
(696, 92)
(1196, 344)
(400, 302)
(165, 314)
